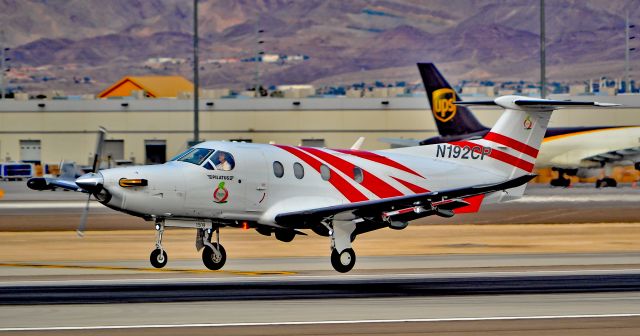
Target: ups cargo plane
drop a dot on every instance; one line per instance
(282, 190)
(581, 151)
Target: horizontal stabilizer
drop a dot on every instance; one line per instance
(512, 101)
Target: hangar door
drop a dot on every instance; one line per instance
(113, 150)
(30, 151)
(155, 151)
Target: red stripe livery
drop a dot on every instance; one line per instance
(501, 156)
(374, 184)
(342, 185)
(513, 143)
(379, 159)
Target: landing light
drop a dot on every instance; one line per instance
(127, 183)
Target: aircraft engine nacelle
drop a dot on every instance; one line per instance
(285, 235)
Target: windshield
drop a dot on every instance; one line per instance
(181, 154)
(196, 156)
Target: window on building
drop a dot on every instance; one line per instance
(155, 151)
(313, 142)
(241, 140)
(278, 169)
(325, 172)
(298, 170)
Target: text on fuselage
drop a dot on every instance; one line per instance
(465, 152)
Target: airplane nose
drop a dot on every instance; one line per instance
(91, 182)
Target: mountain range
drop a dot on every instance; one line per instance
(82, 46)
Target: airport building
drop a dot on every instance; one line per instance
(153, 130)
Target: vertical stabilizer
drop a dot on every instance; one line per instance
(451, 120)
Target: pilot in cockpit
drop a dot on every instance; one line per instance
(224, 164)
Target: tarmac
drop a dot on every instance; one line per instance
(573, 270)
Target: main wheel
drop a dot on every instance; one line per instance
(213, 260)
(343, 262)
(158, 258)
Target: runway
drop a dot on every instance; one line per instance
(22, 209)
(318, 286)
(445, 279)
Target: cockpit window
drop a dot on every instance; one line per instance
(175, 158)
(197, 156)
(223, 161)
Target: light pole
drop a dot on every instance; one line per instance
(627, 50)
(259, 55)
(196, 77)
(543, 80)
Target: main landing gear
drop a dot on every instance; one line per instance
(562, 181)
(343, 257)
(214, 255)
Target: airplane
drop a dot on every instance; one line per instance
(583, 151)
(282, 190)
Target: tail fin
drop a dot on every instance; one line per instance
(513, 143)
(451, 120)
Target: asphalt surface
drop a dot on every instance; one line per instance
(533, 294)
(557, 314)
(24, 210)
(313, 287)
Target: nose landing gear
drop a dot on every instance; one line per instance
(158, 257)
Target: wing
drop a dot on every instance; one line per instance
(400, 208)
(619, 156)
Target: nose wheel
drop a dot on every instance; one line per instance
(158, 258)
(344, 261)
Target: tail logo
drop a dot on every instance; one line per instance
(444, 108)
(527, 123)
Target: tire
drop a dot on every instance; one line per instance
(209, 257)
(343, 262)
(610, 182)
(158, 260)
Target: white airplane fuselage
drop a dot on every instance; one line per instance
(251, 191)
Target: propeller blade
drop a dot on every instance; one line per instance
(97, 156)
(83, 219)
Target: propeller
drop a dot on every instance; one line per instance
(102, 133)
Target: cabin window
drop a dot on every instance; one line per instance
(298, 170)
(278, 169)
(325, 172)
(223, 161)
(196, 156)
(358, 176)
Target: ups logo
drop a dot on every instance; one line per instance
(443, 107)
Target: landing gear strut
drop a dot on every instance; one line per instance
(561, 181)
(158, 257)
(606, 182)
(343, 258)
(213, 255)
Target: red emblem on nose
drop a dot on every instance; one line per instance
(221, 194)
